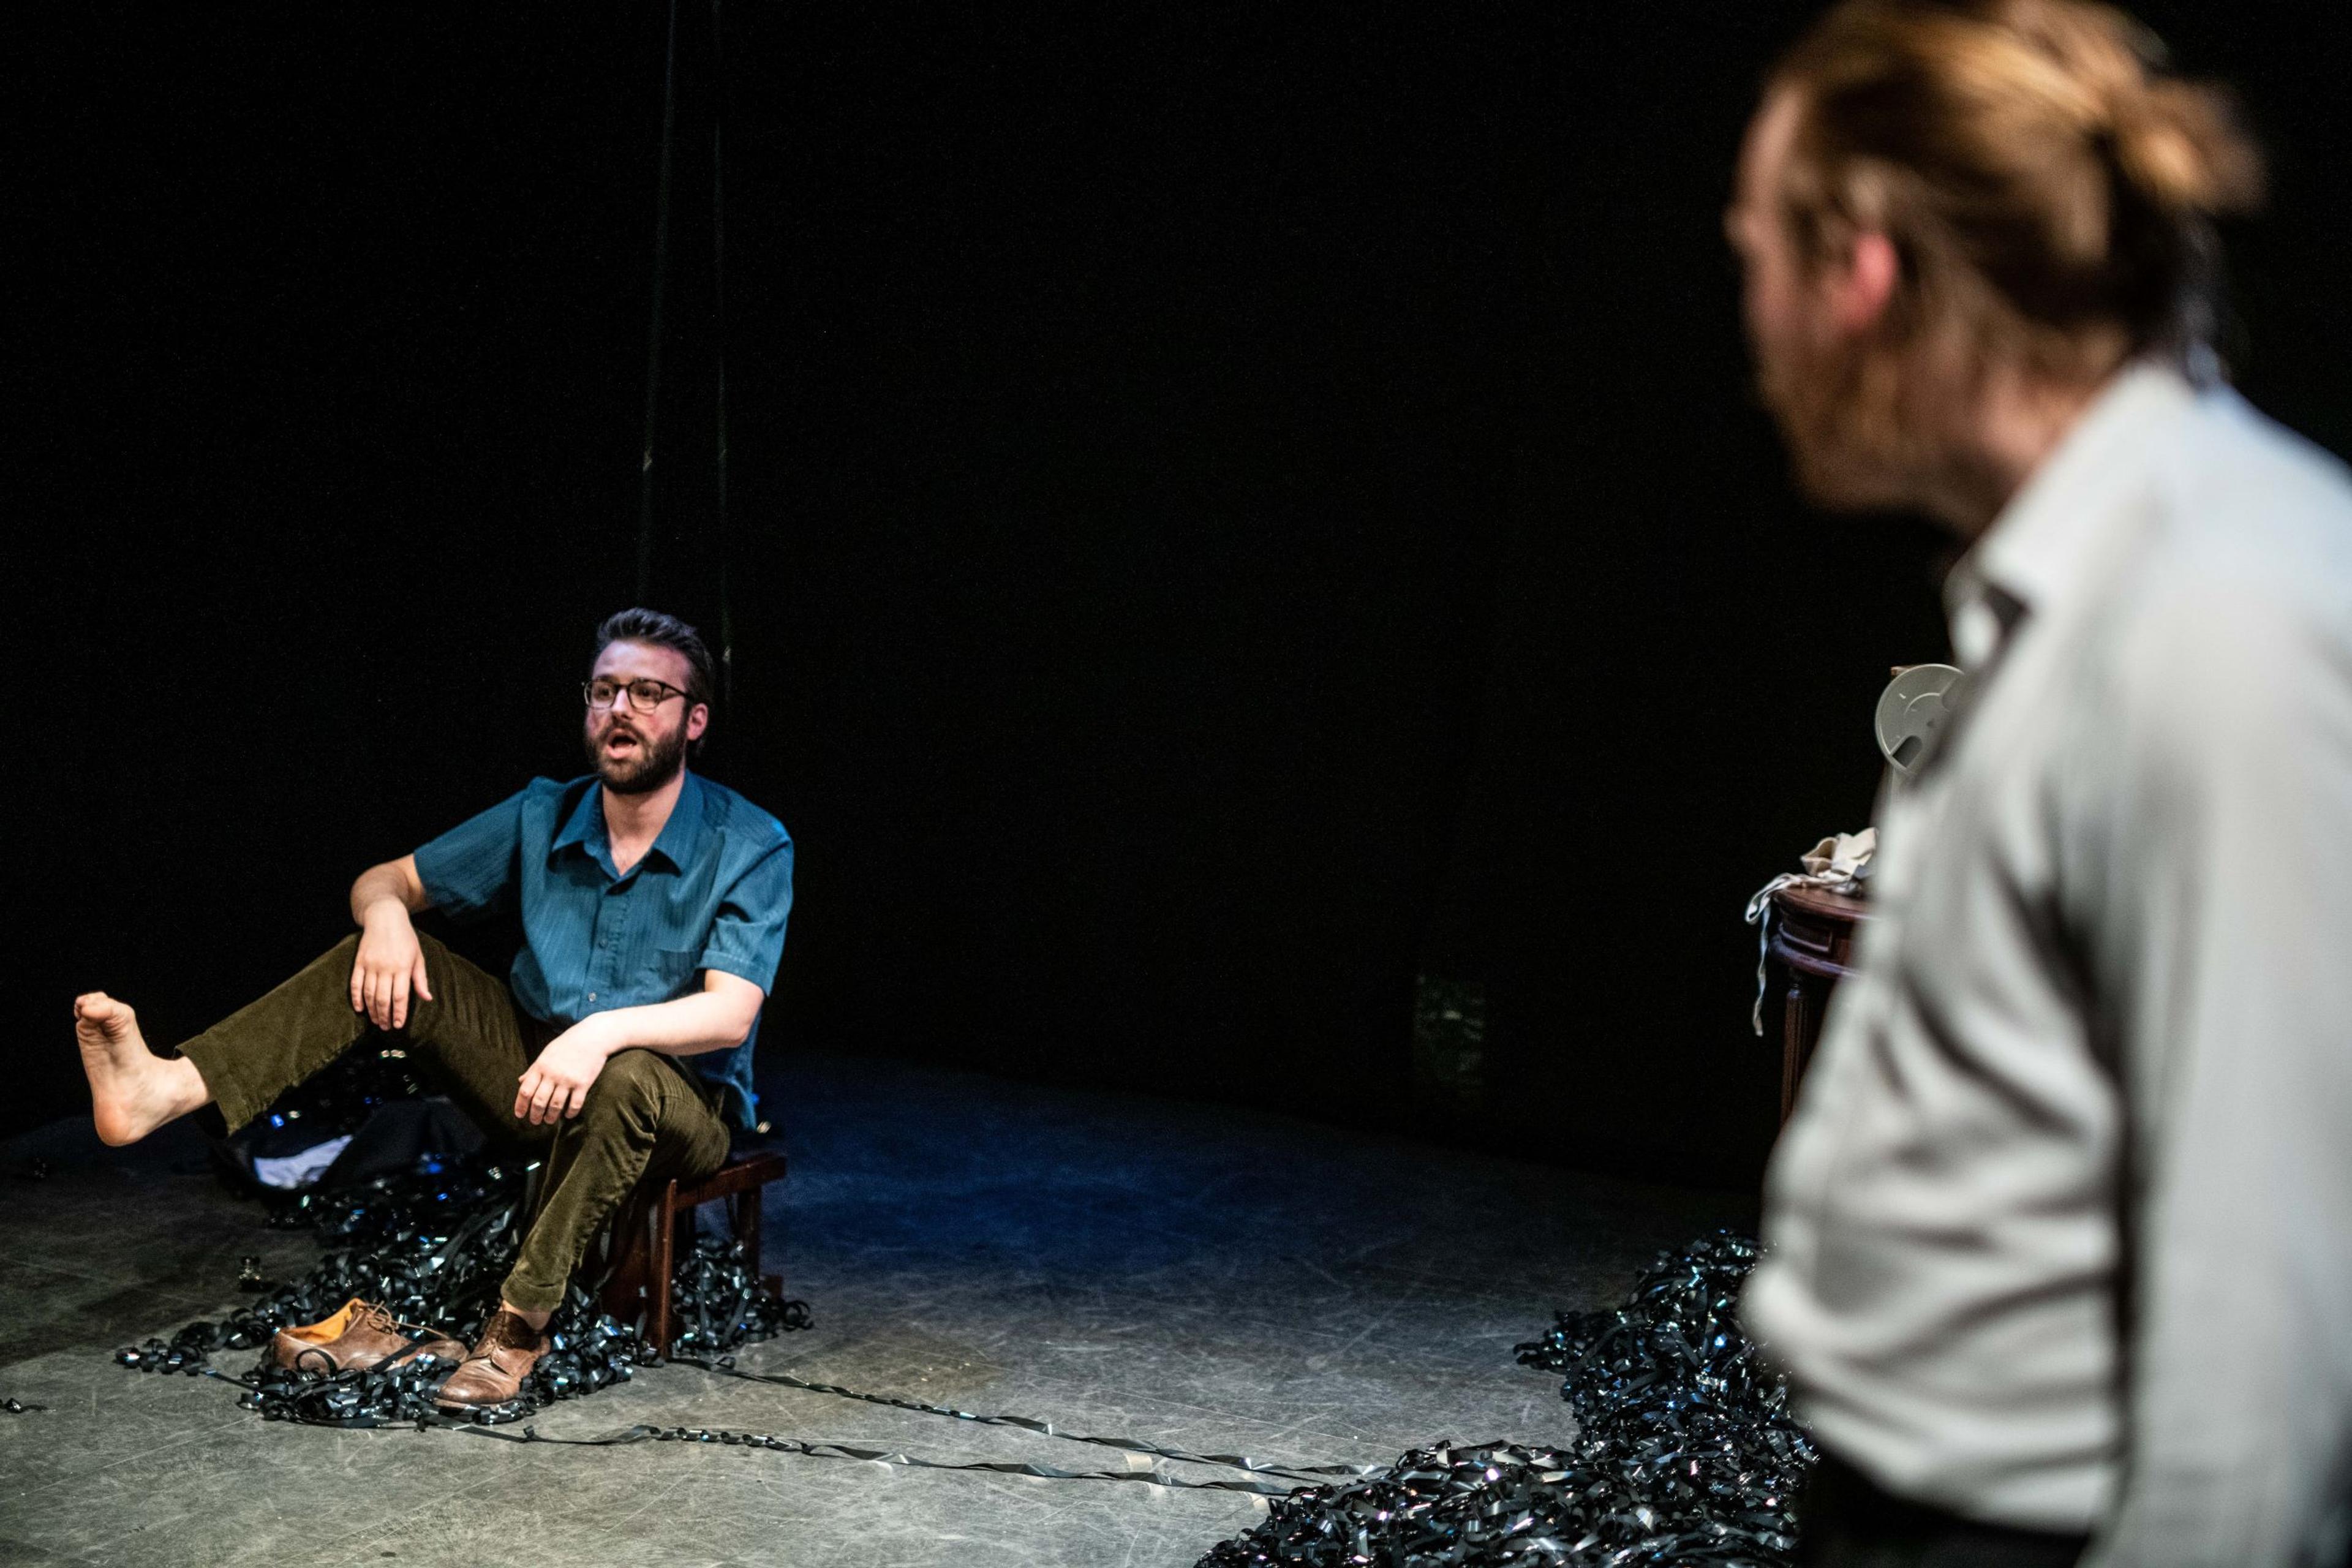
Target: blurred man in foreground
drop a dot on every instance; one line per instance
(2060, 1233)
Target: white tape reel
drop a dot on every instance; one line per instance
(1915, 705)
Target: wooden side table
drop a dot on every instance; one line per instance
(1813, 941)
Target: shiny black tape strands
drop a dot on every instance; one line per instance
(1686, 1454)
(320, 1411)
(642, 1433)
(399, 1394)
(432, 1244)
(1044, 1429)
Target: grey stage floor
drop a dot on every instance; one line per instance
(1200, 1277)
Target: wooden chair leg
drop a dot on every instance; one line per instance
(1795, 1022)
(661, 1264)
(625, 1287)
(747, 1228)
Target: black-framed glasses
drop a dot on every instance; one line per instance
(646, 694)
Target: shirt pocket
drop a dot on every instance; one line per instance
(674, 970)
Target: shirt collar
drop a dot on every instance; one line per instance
(2044, 545)
(584, 828)
(676, 843)
(681, 836)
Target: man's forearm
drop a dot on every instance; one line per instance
(720, 1016)
(392, 882)
(685, 1026)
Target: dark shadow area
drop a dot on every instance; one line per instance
(1229, 511)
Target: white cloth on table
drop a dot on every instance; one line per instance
(1839, 863)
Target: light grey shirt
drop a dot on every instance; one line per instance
(2060, 1235)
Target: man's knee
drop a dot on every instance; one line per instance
(629, 1088)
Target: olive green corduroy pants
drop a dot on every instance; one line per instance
(647, 1117)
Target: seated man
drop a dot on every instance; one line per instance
(601, 1048)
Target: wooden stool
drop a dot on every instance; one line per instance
(1813, 941)
(647, 1255)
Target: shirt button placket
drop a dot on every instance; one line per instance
(617, 918)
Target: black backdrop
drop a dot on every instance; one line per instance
(1230, 507)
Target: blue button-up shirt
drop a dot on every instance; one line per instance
(711, 893)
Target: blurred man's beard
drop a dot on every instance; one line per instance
(1837, 404)
(653, 766)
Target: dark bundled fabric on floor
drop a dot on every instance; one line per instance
(431, 1243)
(1686, 1454)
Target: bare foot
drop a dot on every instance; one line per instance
(133, 1092)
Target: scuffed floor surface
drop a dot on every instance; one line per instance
(1195, 1276)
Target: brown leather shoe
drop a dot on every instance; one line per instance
(287, 1345)
(493, 1374)
(360, 1335)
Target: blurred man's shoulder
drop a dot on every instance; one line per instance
(2236, 617)
(2254, 505)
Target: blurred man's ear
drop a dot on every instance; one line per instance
(1861, 285)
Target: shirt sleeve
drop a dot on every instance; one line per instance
(474, 867)
(2228, 880)
(747, 935)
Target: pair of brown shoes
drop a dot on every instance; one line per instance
(363, 1335)
(359, 1336)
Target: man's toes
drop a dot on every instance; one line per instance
(103, 1013)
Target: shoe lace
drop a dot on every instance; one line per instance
(372, 1316)
(380, 1319)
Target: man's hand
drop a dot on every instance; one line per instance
(391, 966)
(556, 1086)
(719, 1017)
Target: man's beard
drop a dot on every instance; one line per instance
(655, 764)
(1839, 404)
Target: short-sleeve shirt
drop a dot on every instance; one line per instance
(712, 893)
